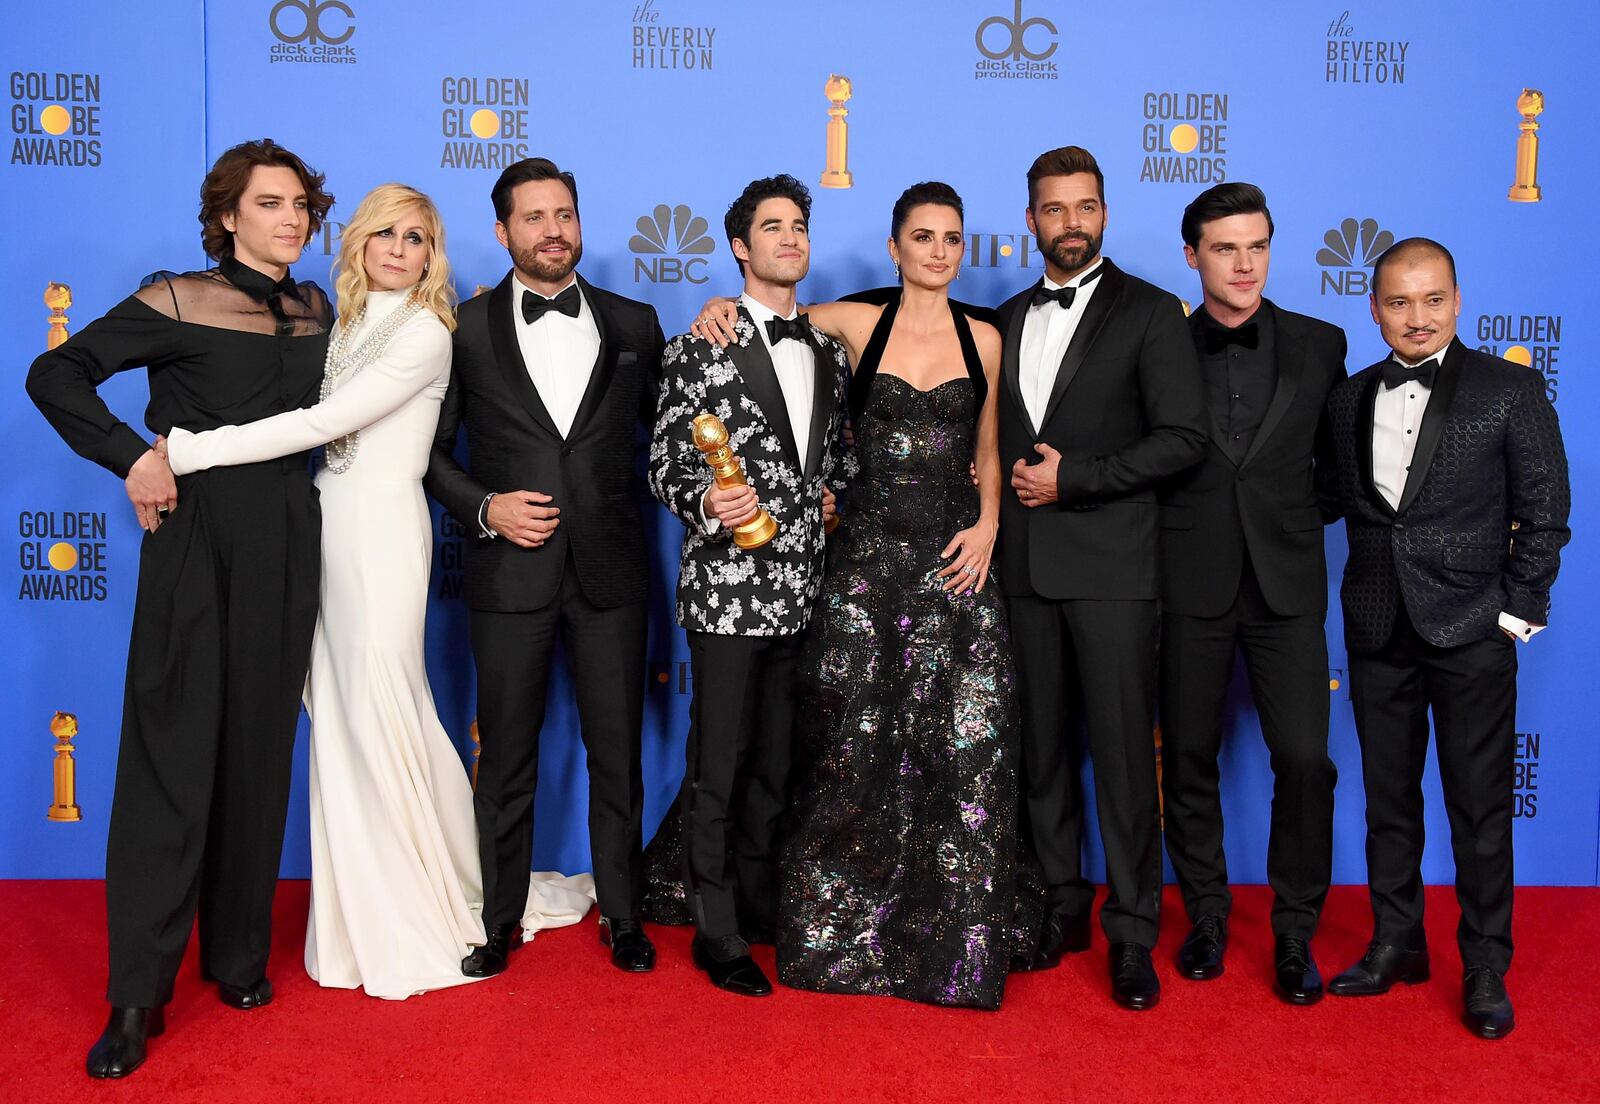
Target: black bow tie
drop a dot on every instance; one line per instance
(1247, 336)
(798, 327)
(535, 307)
(1395, 373)
(1063, 295)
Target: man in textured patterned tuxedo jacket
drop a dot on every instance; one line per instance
(551, 376)
(1101, 402)
(1452, 480)
(1242, 569)
(779, 388)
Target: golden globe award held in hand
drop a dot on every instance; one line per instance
(711, 438)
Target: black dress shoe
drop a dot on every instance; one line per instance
(631, 949)
(247, 997)
(1200, 957)
(728, 964)
(121, 1047)
(490, 959)
(1061, 933)
(1380, 968)
(1297, 980)
(1133, 977)
(1488, 1009)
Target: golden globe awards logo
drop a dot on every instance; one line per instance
(1014, 48)
(1354, 60)
(62, 555)
(1532, 340)
(1348, 253)
(664, 240)
(55, 119)
(658, 45)
(1185, 138)
(670, 677)
(311, 32)
(451, 562)
(484, 122)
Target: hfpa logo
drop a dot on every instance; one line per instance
(665, 240)
(1350, 251)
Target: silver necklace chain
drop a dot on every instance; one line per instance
(342, 362)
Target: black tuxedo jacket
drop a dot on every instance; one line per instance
(1266, 504)
(1483, 516)
(1126, 413)
(513, 444)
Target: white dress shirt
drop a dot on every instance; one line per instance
(1047, 330)
(559, 353)
(1396, 424)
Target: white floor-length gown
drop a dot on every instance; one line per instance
(396, 893)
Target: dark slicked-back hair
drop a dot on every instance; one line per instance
(929, 191)
(1233, 198)
(224, 187)
(742, 212)
(1410, 249)
(529, 168)
(1064, 162)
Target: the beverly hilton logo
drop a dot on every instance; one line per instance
(1014, 48)
(1354, 60)
(311, 32)
(484, 121)
(1349, 252)
(1185, 138)
(671, 246)
(670, 44)
(62, 555)
(55, 119)
(1532, 340)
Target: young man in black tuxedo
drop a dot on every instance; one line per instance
(551, 375)
(1242, 569)
(779, 388)
(1452, 479)
(1101, 402)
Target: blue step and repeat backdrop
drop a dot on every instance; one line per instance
(1360, 121)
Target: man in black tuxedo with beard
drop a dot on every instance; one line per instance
(1101, 403)
(1242, 568)
(551, 376)
(1452, 479)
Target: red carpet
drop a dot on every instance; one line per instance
(562, 1026)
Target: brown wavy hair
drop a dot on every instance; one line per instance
(224, 187)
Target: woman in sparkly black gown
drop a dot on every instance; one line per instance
(898, 871)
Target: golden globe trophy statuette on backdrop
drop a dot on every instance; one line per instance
(64, 726)
(58, 297)
(711, 438)
(837, 174)
(1526, 189)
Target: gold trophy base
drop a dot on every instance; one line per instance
(840, 179)
(1524, 193)
(65, 813)
(756, 532)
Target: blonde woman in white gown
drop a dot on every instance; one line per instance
(395, 886)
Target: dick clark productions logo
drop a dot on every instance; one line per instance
(315, 32)
(1015, 48)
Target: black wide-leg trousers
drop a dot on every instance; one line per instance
(222, 626)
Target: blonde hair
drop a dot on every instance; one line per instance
(381, 209)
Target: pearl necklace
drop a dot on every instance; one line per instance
(341, 453)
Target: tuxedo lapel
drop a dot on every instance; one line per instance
(1433, 422)
(1369, 398)
(761, 379)
(1011, 357)
(824, 397)
(1289, 360)
(1089, 327)
(508, 352)
(604, 361)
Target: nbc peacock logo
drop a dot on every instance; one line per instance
(671, 246)
(1348, 254)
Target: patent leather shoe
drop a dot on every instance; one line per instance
(1200, 957)
(1133, 977)
(247, 996)
(631, 949)
(1378, 970)
(1296, 979)
(121, 1047)
(490, 959)
(728, 964)
(1061, 933)
(1487, 1009)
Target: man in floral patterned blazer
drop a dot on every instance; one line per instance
(779, 388)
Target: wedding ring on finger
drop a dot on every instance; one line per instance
(969, 570)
